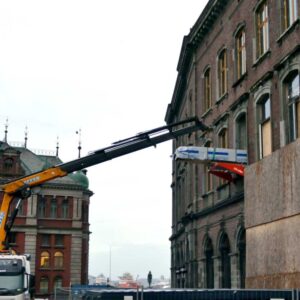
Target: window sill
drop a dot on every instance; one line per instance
(222, 186)
(287, 31)
(238, 81)
(207, 194)
(222, 98)
(261, 58)
(206, 113)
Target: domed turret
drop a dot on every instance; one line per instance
(81, 178)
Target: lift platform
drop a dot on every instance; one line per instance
(222, 162)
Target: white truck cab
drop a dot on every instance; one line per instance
(16, 282)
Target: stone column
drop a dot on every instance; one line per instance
(30, 247)
(76, 252)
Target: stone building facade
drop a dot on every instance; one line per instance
(52, 225)
(238, 71)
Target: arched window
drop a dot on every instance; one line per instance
(292, 92)
(44, 285)
(45, 259)
(240, 53)
(241, 247)
(222, 72)
(58, 259)
(209, 263)
(264, 124)
(241, 131)
(224, 248)
(8, 163)
(207, 90)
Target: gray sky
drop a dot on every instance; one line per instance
(108, 68)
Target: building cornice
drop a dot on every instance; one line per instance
(190, 42)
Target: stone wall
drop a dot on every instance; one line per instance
(272, 220)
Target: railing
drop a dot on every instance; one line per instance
(94, 293)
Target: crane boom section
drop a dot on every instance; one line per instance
(21, 187)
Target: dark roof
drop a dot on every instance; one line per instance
(32, 163)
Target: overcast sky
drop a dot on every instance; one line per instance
(109, 69)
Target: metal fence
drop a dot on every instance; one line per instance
(93, 293)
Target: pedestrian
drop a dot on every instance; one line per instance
(149, 278)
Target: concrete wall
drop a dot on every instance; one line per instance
(272, 220)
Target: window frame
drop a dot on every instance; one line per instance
(241, 137)
(262, 29)
(264, 120)
(44, 280)
(207, 90)
(222, 73)
(289, 14)
(293, 105)
(58, 260)
(53, 208)
(240, 53)
(45, 260)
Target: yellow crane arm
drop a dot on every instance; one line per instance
(21, 187)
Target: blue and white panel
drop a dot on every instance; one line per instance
(211, 154)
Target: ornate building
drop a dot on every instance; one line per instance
(52, 225)
(238, 71)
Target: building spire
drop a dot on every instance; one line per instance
(57, 146)
(6, 130)
(79, 142)
(26, 137)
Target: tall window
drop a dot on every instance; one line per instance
(44, 285)
(65, 209)
(240, 53)
(57, 282)
(208, 175)
(262, 29)
(53, 212)
(241, 132)
(45, 259)
(223, 143)
(209, 264)
(45, 240)
(223, 138)
(265, 139)
(292, 90)
(8, 163)
(289, 13)
(59, 240)
(41, 207)
(225, 261)
(222, 73)
(207, 90)
(58, 259)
